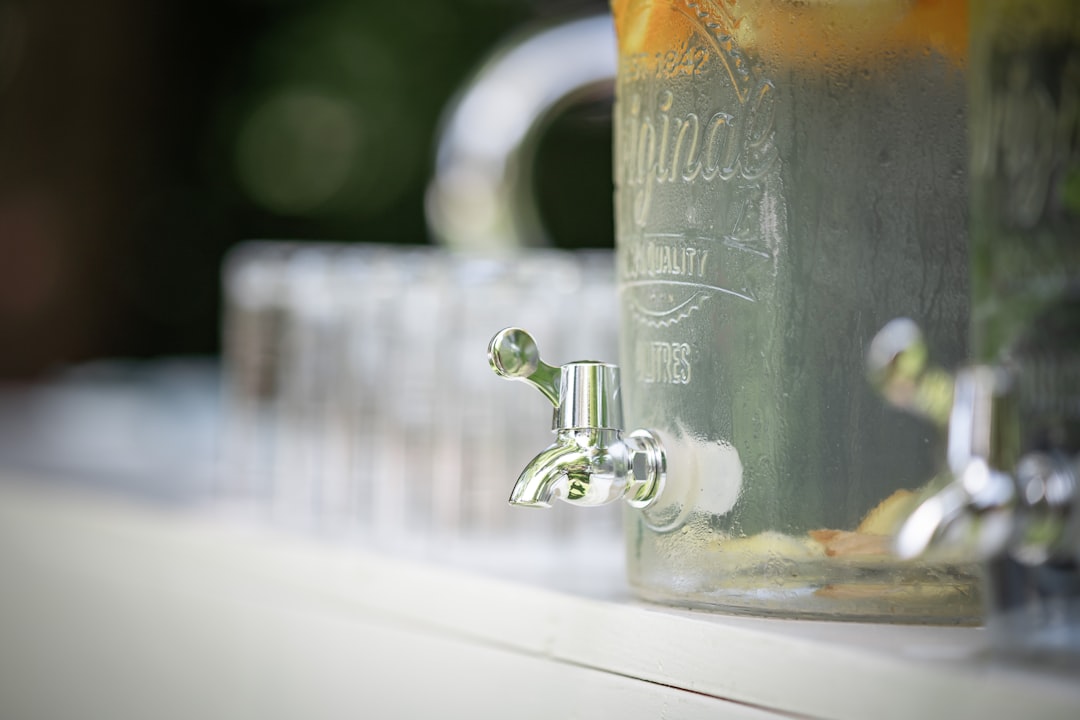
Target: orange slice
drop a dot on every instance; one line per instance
(650, 26)
(790, 32)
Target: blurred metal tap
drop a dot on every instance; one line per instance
(998, 500)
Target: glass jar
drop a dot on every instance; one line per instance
(1025, 241)
(789, 176)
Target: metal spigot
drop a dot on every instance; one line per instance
(996, 500)
(591, 461)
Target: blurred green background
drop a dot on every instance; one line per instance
(140, 140)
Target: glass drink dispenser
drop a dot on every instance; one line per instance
(788, 177)
(1014, 430)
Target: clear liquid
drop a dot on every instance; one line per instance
(777, 202)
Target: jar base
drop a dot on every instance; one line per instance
(892, 592)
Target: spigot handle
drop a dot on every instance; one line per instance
(899, 368)
(513, 355)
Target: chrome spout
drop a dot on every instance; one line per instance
(547, 477)
(562, 471)
(591, 462)
(590, 467)
(972, 516)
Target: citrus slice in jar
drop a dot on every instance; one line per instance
(794, 32)
(849, 32)
(644, 26)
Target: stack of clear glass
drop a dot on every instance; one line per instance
(359, 403)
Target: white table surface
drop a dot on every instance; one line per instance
(114, 609)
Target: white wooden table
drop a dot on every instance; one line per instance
(112, 609)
